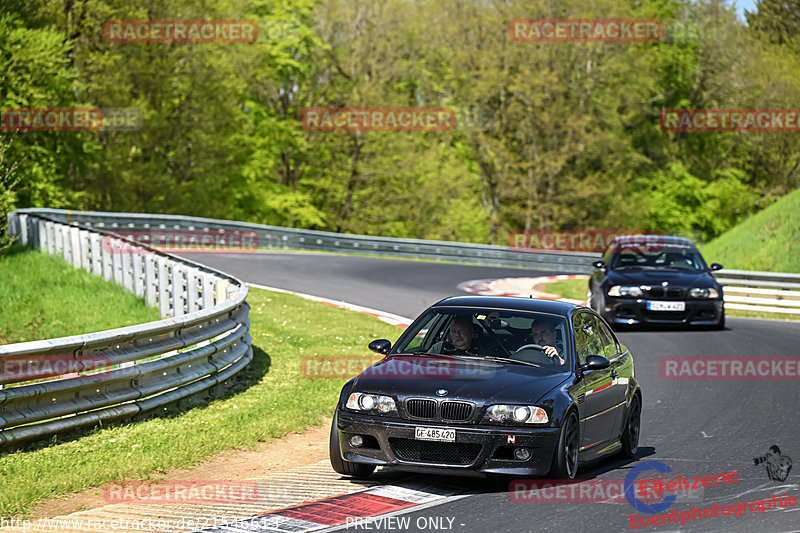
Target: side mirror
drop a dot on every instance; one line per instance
(599, 264)
(716, 266)
(381, 346)
(595, 362)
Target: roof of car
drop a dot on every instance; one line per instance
(509, 302)
(662, 239)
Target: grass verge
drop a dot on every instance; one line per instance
(43, 297)
(279, 399)
(573, 289)
(768, 240)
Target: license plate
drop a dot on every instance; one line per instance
(666, 306)
(446, 435)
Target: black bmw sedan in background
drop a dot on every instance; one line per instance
(491, 385)
(656, 280)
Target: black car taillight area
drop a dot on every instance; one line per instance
(456, 411)
(421, 408)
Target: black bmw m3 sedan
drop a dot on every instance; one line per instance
(491, 385)
(656, 280)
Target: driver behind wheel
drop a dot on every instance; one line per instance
(544, 334)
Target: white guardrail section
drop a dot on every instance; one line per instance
(201, 343)
(767, 292)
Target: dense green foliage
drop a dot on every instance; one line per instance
(550, 135)
(43, 297)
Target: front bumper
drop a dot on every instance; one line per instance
(477, 449)
(634, 311)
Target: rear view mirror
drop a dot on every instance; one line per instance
(595, 362)
(599, 264)
(716, 266)
(381, 346)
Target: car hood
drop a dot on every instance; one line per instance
(649, 276)
(479, 381)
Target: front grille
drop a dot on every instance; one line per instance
(451, 453)
(654, 292)
(456, 410)
(674, 293)
(421, 408)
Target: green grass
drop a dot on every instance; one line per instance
(768, 240)
(573, 289)
(277, 400)
(44, 297)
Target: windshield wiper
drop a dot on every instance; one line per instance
(507, 360)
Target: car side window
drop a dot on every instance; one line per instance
(587, 340)
(610, 346)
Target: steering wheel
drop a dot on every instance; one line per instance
(550, 360)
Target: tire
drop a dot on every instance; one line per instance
(565, 458)
(630, 433)
(345, 468)
(721, 324)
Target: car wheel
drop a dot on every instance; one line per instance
(630, 434)
(565, 459)
(721, 323)
(346, 468)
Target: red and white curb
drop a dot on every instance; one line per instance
(519, 287)
(356, 509)
(395, 320)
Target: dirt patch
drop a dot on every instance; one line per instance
(295, 449)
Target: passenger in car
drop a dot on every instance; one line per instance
(461, 334)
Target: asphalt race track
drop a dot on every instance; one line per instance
(695, 427)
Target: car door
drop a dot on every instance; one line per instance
(597, 391)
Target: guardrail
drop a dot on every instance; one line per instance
(275, 237)
(743, 290)
(203, 343)
(754, 291)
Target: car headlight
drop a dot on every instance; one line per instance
(515, 414)
(372, 403)
(624, 291)
(703, 293)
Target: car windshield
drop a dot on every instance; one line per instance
(516, 337)
(675, 257)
